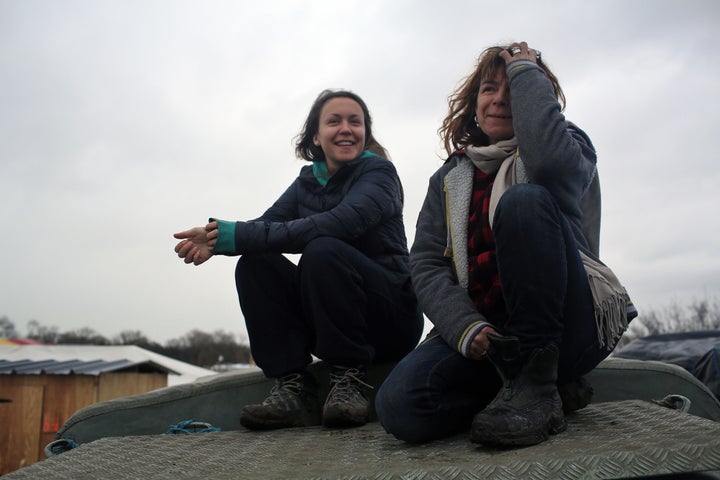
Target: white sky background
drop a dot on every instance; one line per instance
(124, 121)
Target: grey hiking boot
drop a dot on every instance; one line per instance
(293, 402)
(346, 404)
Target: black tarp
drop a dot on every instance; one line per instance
(697, 352)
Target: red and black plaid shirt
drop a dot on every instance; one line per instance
(484, 281)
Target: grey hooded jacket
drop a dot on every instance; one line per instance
(555, 154)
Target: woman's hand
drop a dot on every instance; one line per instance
(197, 243)
(520, 51)
(481, 343)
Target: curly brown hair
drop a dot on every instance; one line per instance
(459, 128)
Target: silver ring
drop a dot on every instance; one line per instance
(538, 54)
(514, 51)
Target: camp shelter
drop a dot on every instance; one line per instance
(41, 386)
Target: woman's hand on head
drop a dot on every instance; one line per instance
(197, 243)
(520, 51)
(480, 344)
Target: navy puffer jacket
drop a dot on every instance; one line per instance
(361, 205)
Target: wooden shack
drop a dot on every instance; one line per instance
(39, 393)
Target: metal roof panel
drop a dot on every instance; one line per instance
(77, 367)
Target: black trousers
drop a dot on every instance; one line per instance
(336, 304)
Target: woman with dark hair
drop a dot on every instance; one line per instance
(505, 265)
(349, 300)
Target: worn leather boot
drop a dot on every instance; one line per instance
(293, 402)
(528, 407)
(575, 395)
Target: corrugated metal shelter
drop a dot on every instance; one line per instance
(178, 372)
(41, 386)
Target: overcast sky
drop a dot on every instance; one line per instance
(122, 122)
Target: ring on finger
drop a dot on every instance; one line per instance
(514, 51)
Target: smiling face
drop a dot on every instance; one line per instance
(341, 132)
(493, 112)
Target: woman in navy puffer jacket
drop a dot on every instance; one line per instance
(349, 300)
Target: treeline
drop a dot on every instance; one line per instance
(220, 347)
(694, 316)
(196, 347)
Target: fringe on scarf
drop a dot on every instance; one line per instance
(613, 307)
(611, 317)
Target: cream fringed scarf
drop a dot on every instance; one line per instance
(611, 300)
(488, 159)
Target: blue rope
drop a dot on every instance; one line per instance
(59, 446)
(188, 427)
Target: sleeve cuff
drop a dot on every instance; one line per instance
(516, 66)
(468, 336)
(225, 244)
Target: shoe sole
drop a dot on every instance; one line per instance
(343, 422)
(517, 439)
(252, 422)
(339, 419)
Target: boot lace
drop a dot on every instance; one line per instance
(286, 390)
(346, 384)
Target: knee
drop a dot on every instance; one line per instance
(248, 264)
(321, 249)
(392, 411)
(244, 267)
(397, 413)
(523, 206)
(524, 198)
(251, 267)
(322, 257)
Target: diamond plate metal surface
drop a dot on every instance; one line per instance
(604, 441)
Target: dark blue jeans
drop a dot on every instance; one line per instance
(336, 303)
(435, 391)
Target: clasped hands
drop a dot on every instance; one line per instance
(196, 245)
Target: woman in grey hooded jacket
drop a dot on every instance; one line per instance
(505, 265)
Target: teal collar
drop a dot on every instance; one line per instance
(321, 173)
(320, 170)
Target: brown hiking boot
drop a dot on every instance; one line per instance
(293, 402)
(346, 404)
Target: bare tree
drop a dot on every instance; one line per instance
(694, 316)
(208, 349)
(82, 336)
(196, 347)
(41, 333)
(7, 328)
(229, 349)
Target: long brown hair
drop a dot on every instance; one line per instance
(459, 128)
